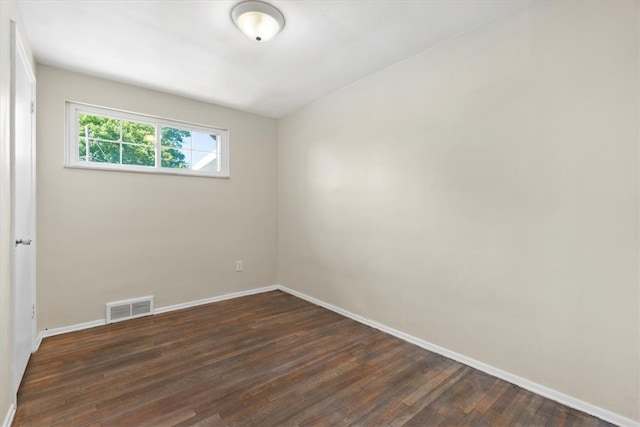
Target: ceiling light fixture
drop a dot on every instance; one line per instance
(259, 21)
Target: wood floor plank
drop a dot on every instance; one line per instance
(263, 360)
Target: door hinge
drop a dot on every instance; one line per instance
(33, 311)
(33, 107)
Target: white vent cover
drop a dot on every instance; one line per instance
(129, 309)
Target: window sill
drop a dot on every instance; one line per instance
(146, 170)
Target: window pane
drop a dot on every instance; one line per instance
(138, 132)
(204, 142)
(99, 127)
(174, 158)
(206, 162)
(188, 149)
(104, 152)
(177, 138)
(138, 155)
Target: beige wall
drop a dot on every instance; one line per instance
(483, 196)
(105, 236)
(638, 293)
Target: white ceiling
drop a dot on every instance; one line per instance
(192, 48)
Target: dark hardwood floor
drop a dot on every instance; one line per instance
(263, 360)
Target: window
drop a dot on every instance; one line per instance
(101, 138)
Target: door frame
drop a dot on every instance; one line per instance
(18, 52)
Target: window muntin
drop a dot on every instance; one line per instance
(102, 138)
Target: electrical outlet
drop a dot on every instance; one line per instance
(239, 265)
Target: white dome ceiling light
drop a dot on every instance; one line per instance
(259, 21)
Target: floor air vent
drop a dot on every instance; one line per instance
(129, 309)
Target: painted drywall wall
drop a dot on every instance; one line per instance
(9, 11)
(638, 294)
(483, 196)
(106, 236)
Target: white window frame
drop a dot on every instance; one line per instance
(72, 158)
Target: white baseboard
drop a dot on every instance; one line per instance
(547, 392)
(158, 310)
(214, 299)
(64, 329)
(10, 414)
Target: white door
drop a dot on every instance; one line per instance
(23, 148)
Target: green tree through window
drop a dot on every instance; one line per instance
(126, 142)
(171, 141)
(114, 140)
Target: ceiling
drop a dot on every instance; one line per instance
(192, 48)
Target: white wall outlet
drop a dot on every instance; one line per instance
(239, 265)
